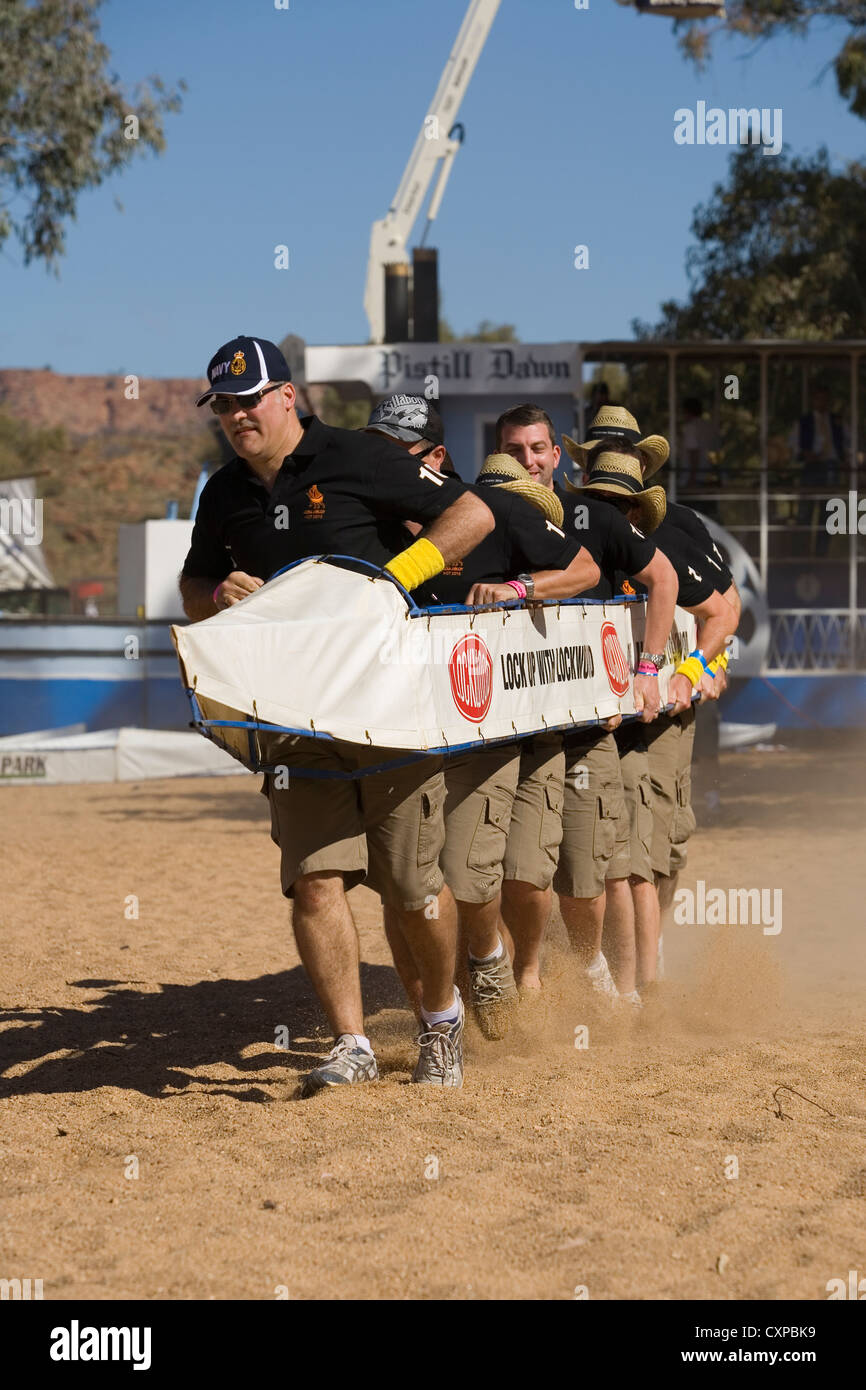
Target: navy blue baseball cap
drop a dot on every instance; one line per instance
(244, 365)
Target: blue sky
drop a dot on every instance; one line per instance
(297, 126)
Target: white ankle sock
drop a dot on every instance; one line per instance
(485, 960)
(362, 1042)
(449, 1015)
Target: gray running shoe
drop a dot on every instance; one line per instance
(344, 1065)
(440, 1059)
(494, 995)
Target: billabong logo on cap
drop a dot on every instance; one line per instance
(239, 364)
(408, 411)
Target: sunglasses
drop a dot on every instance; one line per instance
(225, 405)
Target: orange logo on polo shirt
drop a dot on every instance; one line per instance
(316, 509)
(626, 587)
(239, 364)
(456, 568)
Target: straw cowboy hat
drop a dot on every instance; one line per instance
(616, 421)
(618, 475)
(501, 470)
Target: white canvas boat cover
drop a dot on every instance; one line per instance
(327, 651)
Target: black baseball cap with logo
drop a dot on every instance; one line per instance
(411, 418)
(244, 365)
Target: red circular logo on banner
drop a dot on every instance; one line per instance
(614, 659)
(470, 667)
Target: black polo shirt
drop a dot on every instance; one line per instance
(522, 542)
(689, 522)
(342, 492)
(616, 546)
(696, 577)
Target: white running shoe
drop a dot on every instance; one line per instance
(633, 1000)
(600, 978)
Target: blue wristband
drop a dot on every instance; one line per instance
(699, 654)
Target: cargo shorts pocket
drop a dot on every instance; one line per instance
(645, 813)
(487, 849)
(551, 819)
(684, 821)
(608, 812)
(431, 830)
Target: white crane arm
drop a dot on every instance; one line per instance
(390, 235)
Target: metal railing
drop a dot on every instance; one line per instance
(812, 640)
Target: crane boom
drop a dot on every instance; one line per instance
(389, 236)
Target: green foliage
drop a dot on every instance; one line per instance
(780, 253)
(762, 19)
(62, 119)
(486, 332)
(25, 450)
(341, 413)
(614, 374)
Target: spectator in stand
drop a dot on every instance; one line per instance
(698, 445)
(820, 444)
(598, 396)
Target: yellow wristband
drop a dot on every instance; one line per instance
(421, 561)
(692, 668)
(719, 663)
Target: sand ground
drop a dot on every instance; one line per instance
(148, 1045)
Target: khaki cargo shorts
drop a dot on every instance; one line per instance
(594, 815)
(480, 791)
(633, 854)
(386, 829)
(532, 852)
(670, 743)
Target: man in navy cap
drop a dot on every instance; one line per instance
(297, 488)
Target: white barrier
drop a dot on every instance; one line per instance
(325, 650)
(108, 755)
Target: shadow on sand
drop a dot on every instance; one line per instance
(149, 1042)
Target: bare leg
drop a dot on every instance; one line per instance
(430, 938)
(646, 928)
(481, 924)
(666, 885)
(526, 910)
(584, 920)
(665, 888)
(620, 920)
(327, 942)
(404, 961)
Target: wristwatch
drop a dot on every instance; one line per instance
(656, 659)
(528, 583)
